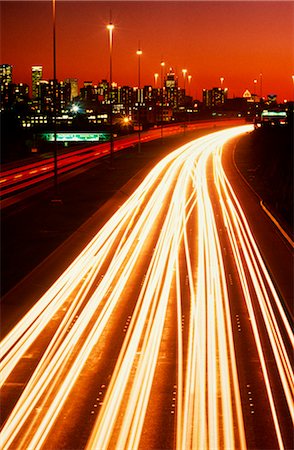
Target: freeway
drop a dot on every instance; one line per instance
(28, 175)
(169, 330)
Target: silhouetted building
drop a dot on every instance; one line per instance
(126, 97)
(88, 93)
(102, 90)
(14, 95)
(19, 93)
(74, 87)
(62, 96)
(214, 97)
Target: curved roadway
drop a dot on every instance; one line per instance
(170, 330)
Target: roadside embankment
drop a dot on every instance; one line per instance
(265, 159)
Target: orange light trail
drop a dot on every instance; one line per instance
(174, 197)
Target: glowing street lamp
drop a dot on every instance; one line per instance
(184, 72)
(189, 81)
(139, 54)
(255, 83)
(110, 28)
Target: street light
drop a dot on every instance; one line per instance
(260, 85)
(189, 81)
(139, 54)
(162, 64)
(184, 72)
(110, 28)
(55, 199)
(255, 83)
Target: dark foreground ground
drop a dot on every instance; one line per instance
(33, 229)
(265, 158)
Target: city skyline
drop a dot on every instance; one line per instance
(234, 40)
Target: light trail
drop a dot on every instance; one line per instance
(151, 230)
(36, 172)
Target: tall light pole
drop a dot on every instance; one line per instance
(255, 83)
(55, 200)
(184, 72)
(110, 28)
(162, 64)
(189, 93)
(260, 85)
(139, 54)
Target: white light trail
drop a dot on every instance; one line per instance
(174, 196)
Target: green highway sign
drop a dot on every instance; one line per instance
(76, 137)
(272, 114)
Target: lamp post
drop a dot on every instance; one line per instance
(55, 200)
(184, 72)
(189, 93)
(139, 54)
(162, 64)
(110, 28)
(189, 81)
(255, 83)
(260, 85)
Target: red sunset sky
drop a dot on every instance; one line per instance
(237, 40)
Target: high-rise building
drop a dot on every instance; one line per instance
(5, 74)
(170, 79)
(214, 97)
(171, 93)
(37, 73)
(47, 97)
(87, 92)
(103, 90)
(74, 87)
(5, 83)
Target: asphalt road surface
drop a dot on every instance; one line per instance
(171, 328)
